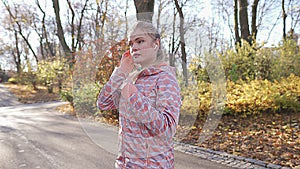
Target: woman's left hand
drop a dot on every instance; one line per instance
(127, 64)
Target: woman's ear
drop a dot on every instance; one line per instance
(156, 44)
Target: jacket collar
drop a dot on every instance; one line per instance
(155, 69)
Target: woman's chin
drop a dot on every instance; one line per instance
(137, 60)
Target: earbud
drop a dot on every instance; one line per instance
(155, 46)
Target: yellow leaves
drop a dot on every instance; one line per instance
(193, 66)
(258, 96)
(243, 97)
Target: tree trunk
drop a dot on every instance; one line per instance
(244, 23)
(60, 34)
(284, 15)
(17, 57)
(72, 25)
(236, 24)
(182, 43)
(253, 21)
(144, 9)
(172, 45)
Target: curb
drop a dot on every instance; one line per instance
(225, 158)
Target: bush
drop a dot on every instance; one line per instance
(262, 95)
(246, 98)
(240, 63)
(28, 78)
(249, 62)
(51, 72)
(85, 97)
(67, 95)
(286, 60)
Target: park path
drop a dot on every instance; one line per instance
(38, 136)
(6, 97)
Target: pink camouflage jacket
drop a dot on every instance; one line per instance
(147, 119)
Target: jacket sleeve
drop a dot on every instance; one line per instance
(109, 96)
(164, 116)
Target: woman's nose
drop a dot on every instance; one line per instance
(134, 48)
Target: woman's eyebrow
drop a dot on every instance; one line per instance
(137, 38)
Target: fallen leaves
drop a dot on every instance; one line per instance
(26, 94)
(274, 138)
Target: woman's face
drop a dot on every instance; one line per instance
(143, 48)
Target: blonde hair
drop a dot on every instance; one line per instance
(150, 30)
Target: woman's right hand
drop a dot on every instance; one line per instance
(127, 64)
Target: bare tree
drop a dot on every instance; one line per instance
(76, 34)
(78, 39)
(101, 16)
(243, 27)
(182, 42)
(44, 34)
(17, 21)
(172, 44)
(11, 49)
(293, 13)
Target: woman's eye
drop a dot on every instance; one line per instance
(140, 41)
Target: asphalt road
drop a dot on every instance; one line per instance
(37, 136)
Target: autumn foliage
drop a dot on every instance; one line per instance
(110, 60)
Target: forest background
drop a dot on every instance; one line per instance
(237, 64)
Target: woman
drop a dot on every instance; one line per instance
(146, 92)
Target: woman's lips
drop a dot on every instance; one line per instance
(136, 55)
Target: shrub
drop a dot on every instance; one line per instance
(262, 95)
(249, 62)
(12, 80)
(286, 60)
(67, 95)
(51, 72)
(85, 97)
(246, 98)
(239, 63)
